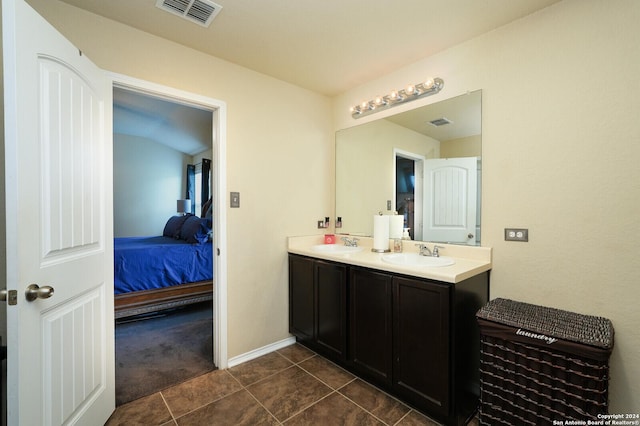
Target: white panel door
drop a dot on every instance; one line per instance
(60, 365)
(450, 200)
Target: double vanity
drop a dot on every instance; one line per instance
(402, 321)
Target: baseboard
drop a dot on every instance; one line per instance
(248, 356)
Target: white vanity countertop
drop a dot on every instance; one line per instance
(470, 260)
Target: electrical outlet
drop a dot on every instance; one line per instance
(516, 234)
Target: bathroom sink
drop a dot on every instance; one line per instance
(335, 249)
(415, 259)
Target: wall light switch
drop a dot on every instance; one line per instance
(235, 199)
(516, 234)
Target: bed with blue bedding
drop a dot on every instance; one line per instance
(161, 272)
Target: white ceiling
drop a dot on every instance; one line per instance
(181, 127)
(325, 46)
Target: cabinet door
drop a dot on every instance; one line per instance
(421, 342)
(331, 308)
(301, 297)
(370, 324)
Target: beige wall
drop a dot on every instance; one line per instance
(279, 157)
(561, 143)
(470, 146)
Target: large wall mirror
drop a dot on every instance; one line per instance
(424, 163)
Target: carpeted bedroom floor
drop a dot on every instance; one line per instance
(156, 352)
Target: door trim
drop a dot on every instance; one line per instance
(219, 109)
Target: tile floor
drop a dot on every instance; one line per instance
(291, 386)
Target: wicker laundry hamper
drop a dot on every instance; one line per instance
(540, 364)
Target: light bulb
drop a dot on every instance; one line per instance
(429, 83)
(409, 89)
(396, 96)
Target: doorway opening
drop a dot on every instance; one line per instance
(409, 190)
(199, 137)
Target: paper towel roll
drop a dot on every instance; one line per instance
(380, 233)
(396, 224)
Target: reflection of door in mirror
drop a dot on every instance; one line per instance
(451, 200)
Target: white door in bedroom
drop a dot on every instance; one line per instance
(60, 366)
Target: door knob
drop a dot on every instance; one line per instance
(3, 295)
(34, 291)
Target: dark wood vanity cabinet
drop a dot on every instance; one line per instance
(414, 337)
(318, 304)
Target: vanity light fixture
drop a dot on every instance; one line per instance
(396, 97)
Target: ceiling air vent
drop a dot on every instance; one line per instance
(201, 12)
(440, 122)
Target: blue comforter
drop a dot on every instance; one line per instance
(144, 263)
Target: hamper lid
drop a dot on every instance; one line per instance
(585, 329)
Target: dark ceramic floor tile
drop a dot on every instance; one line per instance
(288, 392)
(296, 353)
(259, 368)
(327, 371)
(416, 419)
(386, 408)
(239, 408)
(200, 391)
(150, 410)
(333, 410)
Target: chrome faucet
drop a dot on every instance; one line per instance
(424, 250)
(350, 242)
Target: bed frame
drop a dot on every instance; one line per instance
(146, 301)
